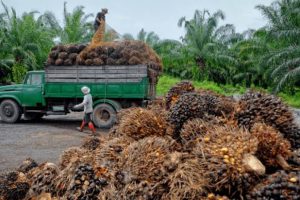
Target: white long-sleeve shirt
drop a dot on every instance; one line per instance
(87, 103)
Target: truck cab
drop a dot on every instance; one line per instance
(24, 98)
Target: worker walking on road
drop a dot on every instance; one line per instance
(88, 109)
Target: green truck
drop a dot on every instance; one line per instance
(56, 90)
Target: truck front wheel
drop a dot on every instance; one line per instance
(10, 111)
(104, 115)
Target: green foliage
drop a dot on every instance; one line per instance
(76, 28)
(292, 100)
(150, 38)
(26, 40)
(283, 58)
(18, 72)
(166, 82)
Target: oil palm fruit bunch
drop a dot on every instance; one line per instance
(140, 123)
(225, 106)
(143, 174)
(71, 155)
(85, 184)
(13, 185)
(16, 191)
(41, 178)
(91, 143)
(9, 177)
(194, 130)
(177, 90)
(158, 107)
(190, 106)
(280, 185)
(27, 165)
(62, 182)
(295, 158)
(187, 181)
(212, 196)
(227, 156)
(110, 152)
(273, 149)
(260, 107)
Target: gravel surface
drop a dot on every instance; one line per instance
(42, 140)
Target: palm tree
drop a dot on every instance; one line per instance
(150, 38)
(24, 40)
(77, 27)
(176, 59)
(127, 36)
(249, 52)
(284, 55)
(209, 43)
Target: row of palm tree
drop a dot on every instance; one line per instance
(268, 57)
(26, 41)
(207, 51)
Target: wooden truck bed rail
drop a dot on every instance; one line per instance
(95, 74)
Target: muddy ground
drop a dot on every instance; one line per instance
(42, 140)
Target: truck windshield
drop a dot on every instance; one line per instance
(34, 79)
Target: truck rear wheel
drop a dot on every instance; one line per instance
(10, 111)
(104, 115)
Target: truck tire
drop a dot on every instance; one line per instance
(10, 111)
(33, 116)
(104, 115)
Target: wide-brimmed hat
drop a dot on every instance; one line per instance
(85, 90)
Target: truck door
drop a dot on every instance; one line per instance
(32, 91)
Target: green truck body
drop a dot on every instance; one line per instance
(57, 89)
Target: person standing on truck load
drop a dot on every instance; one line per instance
(88, 109)
(100, 16)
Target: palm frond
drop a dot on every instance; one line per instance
(295, 73)
(286, 66)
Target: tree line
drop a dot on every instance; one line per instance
(268, 57)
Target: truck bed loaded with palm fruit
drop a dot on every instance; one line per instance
(120, 74)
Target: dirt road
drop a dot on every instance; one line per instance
(42, 141)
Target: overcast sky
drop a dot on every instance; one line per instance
(160, 16)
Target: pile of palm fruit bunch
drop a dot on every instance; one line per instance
(280, 185)
(107, 53)
(261, 107)
(273, 149)
(197, 147)
(175, 92)
(139, 123)
(14, 185)
(64, 54)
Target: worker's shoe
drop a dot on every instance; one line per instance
(92, 127)
(79, 129)
(81, 126)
